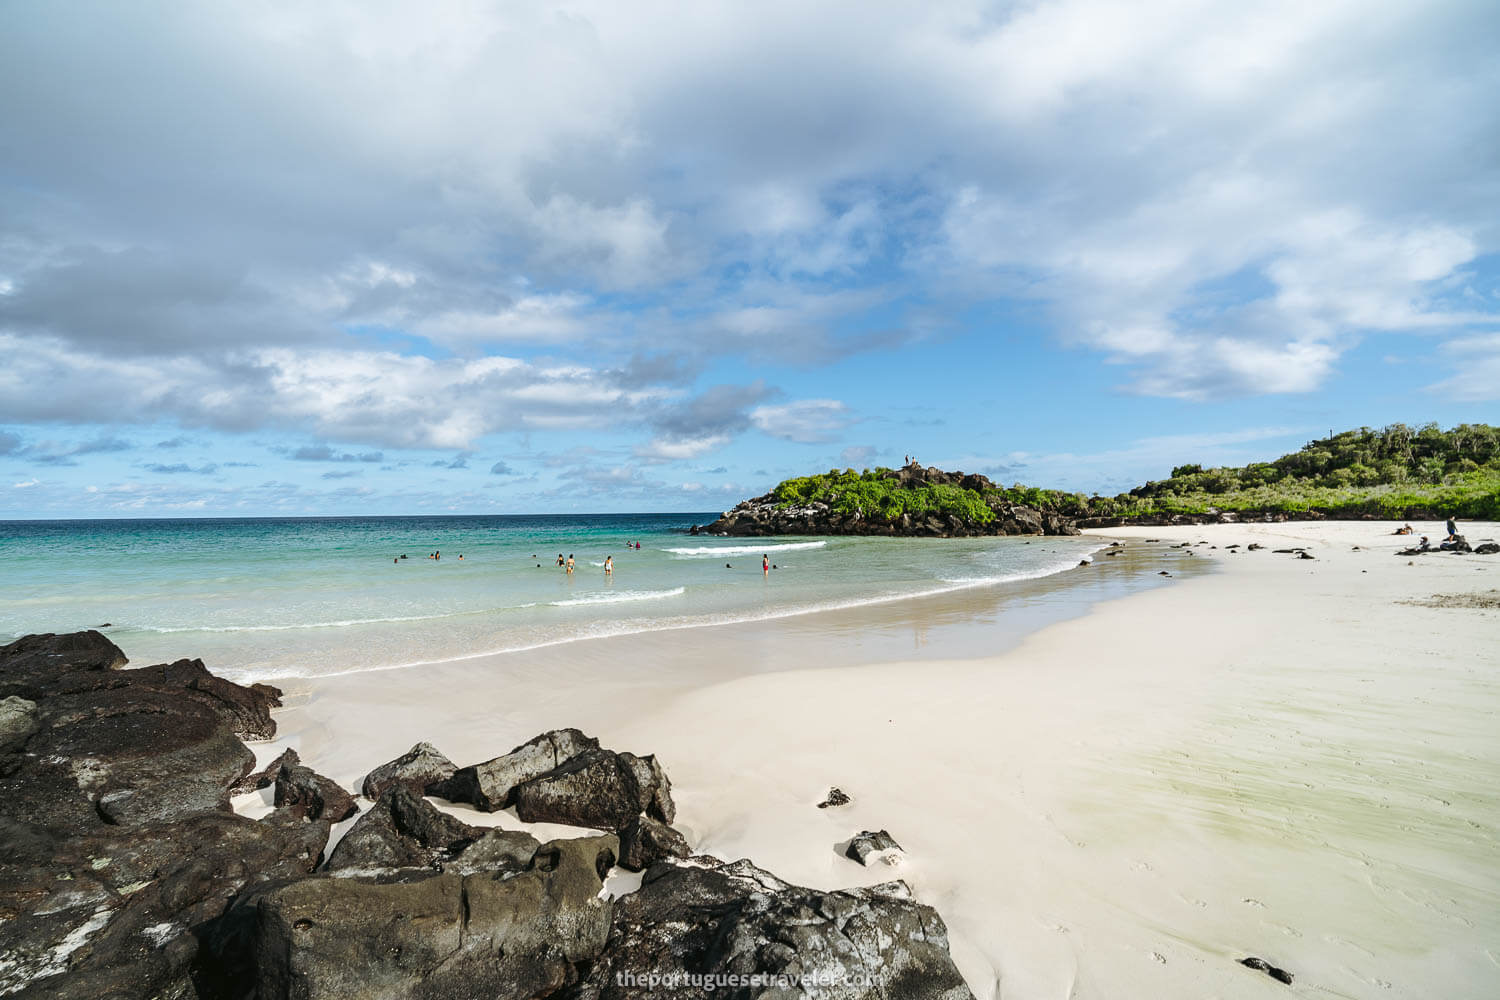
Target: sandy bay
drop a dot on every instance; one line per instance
(1106, 787)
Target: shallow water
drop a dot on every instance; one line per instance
(307, 597)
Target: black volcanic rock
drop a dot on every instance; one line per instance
(419, 769)
(134, 755)
(114, 914)
(835, 797)
(305, 792)
(596, 789)
(33, 663)
(18, 720)
(528, 934)
(869, 843)
(707, 917)
(404, 831)
(266, 776)
(488, 786)
(645, 841)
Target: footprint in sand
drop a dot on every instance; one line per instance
(1253, 902)
(1159, 957)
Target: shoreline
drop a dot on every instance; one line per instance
(1126, 801)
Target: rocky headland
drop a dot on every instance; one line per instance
(978, 508)
(124, 871)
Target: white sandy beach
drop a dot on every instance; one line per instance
(1278, 758)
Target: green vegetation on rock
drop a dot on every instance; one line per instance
(1387, 472)
(881, 494)
(1397, 471)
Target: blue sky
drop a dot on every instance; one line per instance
(490, 257)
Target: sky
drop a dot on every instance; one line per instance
(286, 258)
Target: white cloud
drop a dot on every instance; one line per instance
(806, 421)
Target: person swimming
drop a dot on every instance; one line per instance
(560, 559)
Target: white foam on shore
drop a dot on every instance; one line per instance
(609, 630)
(741, 550)
(618, 597)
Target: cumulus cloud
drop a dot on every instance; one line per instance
(343, 221)
(806, 421)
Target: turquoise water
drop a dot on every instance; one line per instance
(274, 598)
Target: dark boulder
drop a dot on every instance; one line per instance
(703, 917)
(248, 709)
(655, 789)
(419, 769)
(1487, 549)
(267, 775)
(528, 934)
(304, 792)
(18, 721)
(1261, 965)
(645, 841)
(596, 789)
(33, 663)
(402, 830)
(835, 797)
(137, 755)
(489, 786)
(870, 844)
(115, 914)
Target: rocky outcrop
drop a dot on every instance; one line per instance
(422, 769)
(123, 874)
(564, 776)
(489, 786)
(765, 515)
(444, 935)
(645, 841)
(402, 830)
(114, 913)
(595, 789)
(267, 776)
(703, 917)
(305, 792)
(18, 720)
(115, 830)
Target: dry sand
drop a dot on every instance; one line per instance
(1282, 757)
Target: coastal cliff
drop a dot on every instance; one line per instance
(913, 501)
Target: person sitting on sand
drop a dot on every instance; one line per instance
(609, 565)
(1403, 530)
(1423, 545)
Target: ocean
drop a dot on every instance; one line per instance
(276, 598)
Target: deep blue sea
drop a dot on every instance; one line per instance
(269, 598)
